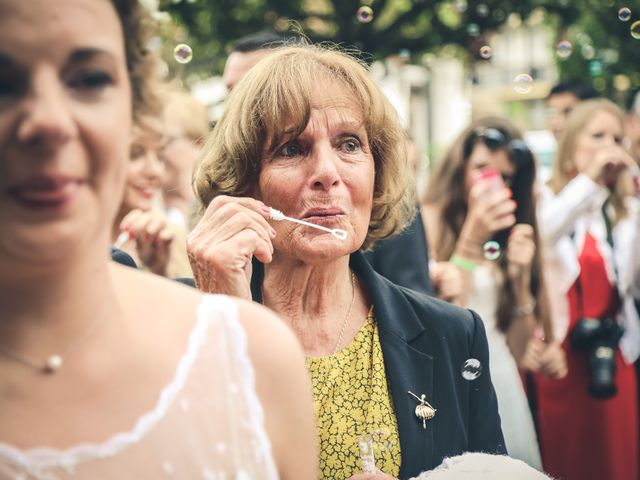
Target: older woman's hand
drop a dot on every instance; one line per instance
(153, 236)
(221, 246)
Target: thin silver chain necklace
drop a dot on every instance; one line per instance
(54, 361)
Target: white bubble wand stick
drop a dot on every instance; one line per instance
(336, 232)
(121, 240)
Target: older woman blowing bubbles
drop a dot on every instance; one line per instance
(308, 132)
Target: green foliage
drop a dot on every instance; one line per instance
(416, 26)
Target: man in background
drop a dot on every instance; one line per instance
(250, 49)
(562, 98)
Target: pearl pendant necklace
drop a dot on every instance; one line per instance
(54, 362)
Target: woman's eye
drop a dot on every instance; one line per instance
(350, 145)
(89, 81)
(136, 152)
(290, 150)
(10, 89)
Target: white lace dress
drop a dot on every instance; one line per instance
(517, 422)
(207, 423)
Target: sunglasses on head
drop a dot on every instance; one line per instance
(495, 140)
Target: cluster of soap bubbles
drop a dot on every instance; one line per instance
(624, 15)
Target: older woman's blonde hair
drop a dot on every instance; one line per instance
(278, 93)
(564, 168)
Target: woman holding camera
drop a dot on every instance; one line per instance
(589, 221)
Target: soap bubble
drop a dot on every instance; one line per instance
(588, 51)
(523, 83)
(624, 14)
(183, 53)
(498, 15)
(365, 14)
(461, 5)
(486, 52)
(564, 48)
(473, 30)
(491, 250)
(482, 10)
(471, 369)
(635, 30)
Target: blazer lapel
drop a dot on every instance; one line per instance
(406, 368)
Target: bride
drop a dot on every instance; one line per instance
(107, 372)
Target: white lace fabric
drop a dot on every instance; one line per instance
(207, 424)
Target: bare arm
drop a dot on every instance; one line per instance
(284, 389)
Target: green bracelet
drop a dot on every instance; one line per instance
(463, 263)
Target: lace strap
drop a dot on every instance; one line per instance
(238, 355)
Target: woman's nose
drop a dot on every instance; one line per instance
(153, 166)
(47, 120)
(325, 172)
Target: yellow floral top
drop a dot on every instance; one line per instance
(352, 398)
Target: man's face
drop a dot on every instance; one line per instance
(559, 107)
(239, 63)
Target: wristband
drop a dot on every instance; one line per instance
(525, 310)
(463, 263)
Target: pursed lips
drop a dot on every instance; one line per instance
(321, 215)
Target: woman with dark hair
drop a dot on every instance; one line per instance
(479, 210)
(105, 371)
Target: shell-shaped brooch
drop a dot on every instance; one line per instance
(424, 410)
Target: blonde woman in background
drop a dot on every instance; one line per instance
(185, 126)
(590, 224)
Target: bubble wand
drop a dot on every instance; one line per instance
(336, 232)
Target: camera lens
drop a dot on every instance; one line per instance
(585, 333)
(603, 370)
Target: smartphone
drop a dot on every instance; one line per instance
(490, 175)
(494, 178)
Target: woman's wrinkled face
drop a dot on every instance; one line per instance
(145, 171)
(603, 130)
(65, 110)
(324, 176)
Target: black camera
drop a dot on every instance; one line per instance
(600, 337)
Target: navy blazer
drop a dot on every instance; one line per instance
(404, 258)
(425, 343)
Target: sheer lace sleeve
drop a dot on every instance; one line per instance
(207, 423)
